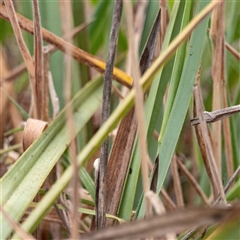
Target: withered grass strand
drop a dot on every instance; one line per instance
(139, 104)
(226, 124)
(11, 14)
(107, 86)
(67, 24)
(163, 21)
(76, 53)
(139, 19)
(216, 179)
(233, 51)
(217, 37)
(168, 202)
(226, 188)
(18, 70)
(38, 61)
(192, 181)
(46, 69)
(176, 182)
(217, 115)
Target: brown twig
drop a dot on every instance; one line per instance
(210, 161)
(107, 86)
(13, 18)
(119, 162)
(217, 35)
(176, 182)
(193, 181)
(46, 59)
(234, 52)
(64, 46)
(217, 115)
(14, 73)
(170, 205)
(229, 184)
(38, 61)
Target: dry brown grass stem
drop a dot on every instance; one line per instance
(12, 16)
(215, 176)
(117, 92)
(67, 23)
(192, 181)
(16, 28)
(217, 114)
(163, 21)
(38, 61)
(46, 69)
(64, 46)
(139, 107)
(229, 184)
(159, 225)
(139, 19)
(213, 29)
(217, 34)
(176, 182)
(5, 87)
(169, 204)
(53, 96)
(17, 71)
(226, 123)
(101, 186)
(118, 163)
(234, 52)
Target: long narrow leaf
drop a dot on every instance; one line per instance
(181, 102)
(18, 187)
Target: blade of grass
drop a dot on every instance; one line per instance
(177, 68)
(17, 185)
(87, 182)
(182, 99)
(18, 107)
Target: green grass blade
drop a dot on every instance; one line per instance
(177, 68)
(153, 105)
(19, 108)
(151, 14)
(181, 101)
(88, 182)
(96, 32)
(22, 182)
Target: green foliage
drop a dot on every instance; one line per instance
(24, 179)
